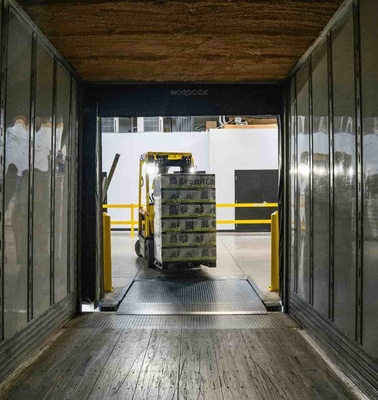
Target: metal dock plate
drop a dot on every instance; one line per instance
(191, 297)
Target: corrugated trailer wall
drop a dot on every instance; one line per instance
(38, 149)
(333, 129)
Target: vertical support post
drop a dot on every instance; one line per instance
(69, 166)
(296, 184)
(132, 220)
(359, 169)
(275, 257)
(32, 131)
(107, 246)
(331, 182)
(52, 185)
(285, 180)
(89, 198)
(99, 197)
(75, 229)
(4, 16)
(311, 163)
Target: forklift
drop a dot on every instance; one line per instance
(152, 164)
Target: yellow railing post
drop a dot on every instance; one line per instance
(107, 253)
(274, 266)
(132, 220)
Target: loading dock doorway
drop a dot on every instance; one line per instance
(106, 101)
(242, 153)
(255, 186)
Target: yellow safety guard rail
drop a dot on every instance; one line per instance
(132, 221)
(274, 286)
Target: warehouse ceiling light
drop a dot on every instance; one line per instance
(152, 169)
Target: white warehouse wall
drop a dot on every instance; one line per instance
(238, 149)
(124, 186)
(220, 151)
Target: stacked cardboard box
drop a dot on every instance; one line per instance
(183, 181)
(185, 224)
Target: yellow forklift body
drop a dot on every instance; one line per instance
(160, 162)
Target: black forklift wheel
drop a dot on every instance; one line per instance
(137, 248)
(150, 256)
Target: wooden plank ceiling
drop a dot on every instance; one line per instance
(182, 40)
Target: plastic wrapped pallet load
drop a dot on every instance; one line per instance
(185, 219)
(183, 181)
(187, 195)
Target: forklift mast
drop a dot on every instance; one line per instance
(156, 163)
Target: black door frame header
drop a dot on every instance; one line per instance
(189, 99)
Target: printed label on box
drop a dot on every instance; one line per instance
(188, 254)
(166, 181)
(187, 195)
(188, 239)
(187, 210)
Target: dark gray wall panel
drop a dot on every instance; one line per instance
(88, 204)
(303, 193)
(72, 234)
(320, 171)
(16, 190)
(258, 186)
(344, 179)
(369, 72)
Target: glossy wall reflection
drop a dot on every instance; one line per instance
(369, 84)
(293, 187)
(321, 180)
(303, 190)
(16, 188)
(344, 172)
(333, 121)
(39, 174)
(62, 169)
(42, 180)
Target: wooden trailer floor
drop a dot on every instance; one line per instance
(108, 356)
